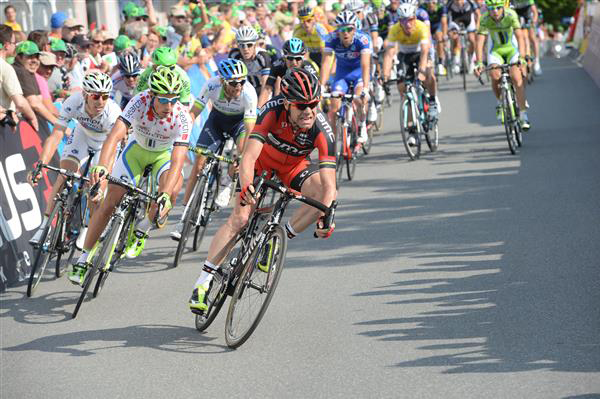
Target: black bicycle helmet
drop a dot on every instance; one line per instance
(129, 64)
(299, 85)
(294, 46)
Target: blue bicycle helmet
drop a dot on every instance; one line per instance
(294, 46)
(232, 69)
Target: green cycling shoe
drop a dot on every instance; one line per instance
(136, 244)
(198, 301)
(78, 272)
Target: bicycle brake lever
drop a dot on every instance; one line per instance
(328, 218)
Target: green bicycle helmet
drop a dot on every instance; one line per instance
(164, 56)
(164, 80)
(494, 3)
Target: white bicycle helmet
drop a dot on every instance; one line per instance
(355, 5)
(246, 34)
(406, 11)
(411, 2)
(346, 18)
(97, 82)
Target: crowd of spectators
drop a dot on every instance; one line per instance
(42, 67)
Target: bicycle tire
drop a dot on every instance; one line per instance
(190, 217)
(42, 257)
(86, 286)
(102, 261)
(339, 150)
(219, 294)
(432, 136)
(276, 265)
(352, 152)
(68, 228)
(517, 122)
(465, 67)
(508, 128)
(211, 190)
(413, 155)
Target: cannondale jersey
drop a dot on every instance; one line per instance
(152, 133)
(96, 128)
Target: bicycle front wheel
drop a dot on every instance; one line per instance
(339, 149)
(255, 288)
(191, 215)
(413, 151)
(207, 205)
(46, 249)
(508, 123)
(432, 136)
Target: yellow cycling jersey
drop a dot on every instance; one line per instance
(314, 41)
(410, 43)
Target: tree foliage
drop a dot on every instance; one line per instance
(555, 10)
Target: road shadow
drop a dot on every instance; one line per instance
(155, 336)
(49, 308)
(504, 259)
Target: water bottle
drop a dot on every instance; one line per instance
(379, 94)
(349, 114)
(372, 115)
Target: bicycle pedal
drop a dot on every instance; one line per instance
(198, 312)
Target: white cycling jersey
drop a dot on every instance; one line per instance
(155, 134)
(121, 92)
(245, 104)
(96, 129)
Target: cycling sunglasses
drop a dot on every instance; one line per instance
(98, 96)
(346, 29)
(167, 100)
(303, 106)
(294, 58)
(234, 83)
(247, 45)
(495, 8)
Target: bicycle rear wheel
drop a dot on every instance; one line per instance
(219, 289)
(255, 288)
(413, 151)
(465, 66)
(46, 248)
(432, 136)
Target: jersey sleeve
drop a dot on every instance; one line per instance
(365, 44)
(114, 113)
(266, 116)
(325, 143)
(483, 25)
(67, 111)
(514, 23)
(184, 127)
(329, 45)
(250, 103)
(134, 109)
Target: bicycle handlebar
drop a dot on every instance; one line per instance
(280, 188)
(64, 172)
(349, 96)
(209, 154)
(119, 182)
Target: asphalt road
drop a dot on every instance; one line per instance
(470, 273)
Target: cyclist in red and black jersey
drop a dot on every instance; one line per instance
(288, 129)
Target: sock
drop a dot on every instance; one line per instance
(206, 275)
(291, 233)
(83, 257)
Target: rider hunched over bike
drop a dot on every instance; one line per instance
(161, 127)
(352, 51)
(288, 129)
(96, 114)
(507, 46)
(233, 115)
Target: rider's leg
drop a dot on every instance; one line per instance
(517, 80)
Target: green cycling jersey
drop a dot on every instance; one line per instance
(184, 96)
(522, 3)
(502, 31)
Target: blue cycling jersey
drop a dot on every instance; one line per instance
(348, 58)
